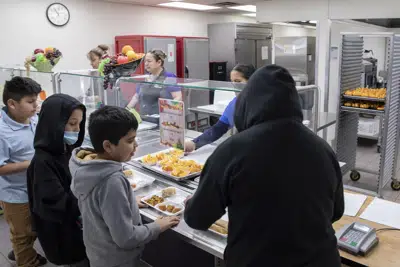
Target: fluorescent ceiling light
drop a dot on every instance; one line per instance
(313, 21)
(250, 14)
(185, 5)
(248, 8)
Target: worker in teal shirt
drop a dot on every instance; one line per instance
(239, 75)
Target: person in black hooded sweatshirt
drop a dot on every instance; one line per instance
(281, 183)
(55, 212)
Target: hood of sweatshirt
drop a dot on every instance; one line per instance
(86, 175)
(53, 117)
(269, 95)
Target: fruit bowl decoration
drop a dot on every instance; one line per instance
(43, 60)
(123, 64)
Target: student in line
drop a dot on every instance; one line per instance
(17, 130)
(55, 212)
(281, 183)
(113, 231)
(239, 75)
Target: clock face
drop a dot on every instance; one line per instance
(58, 14)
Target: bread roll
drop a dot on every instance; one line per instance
(128, 173)
(219, 229)
(167, 192)
(222, 223)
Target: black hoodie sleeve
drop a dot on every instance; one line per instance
(339, 194)
(51, 201)
(211, 198)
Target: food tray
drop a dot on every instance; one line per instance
(181, 206)
(178, 198)
(364, 98)
(224, 218)
(157, 169)
(363, 110)
(141, 180)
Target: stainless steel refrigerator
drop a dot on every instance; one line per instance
(240, 43)
(166, 44)
(297, 54)
(196, 66)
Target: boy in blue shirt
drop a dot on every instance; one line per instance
(17, 129)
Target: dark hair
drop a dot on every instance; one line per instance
(19, 87)
(110, 123)
(158, 55)
(99, 51)
(245, 70)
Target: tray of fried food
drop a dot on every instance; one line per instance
(181, 168)
(152, 159)
(86, 154)
(136, 179)
(167, 194)
(379, 93)
(176, 153)
(220, 228)
(170, 208)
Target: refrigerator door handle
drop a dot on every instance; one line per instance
(186, 71)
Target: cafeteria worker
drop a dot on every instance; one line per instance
(147, 95)
(240, 74)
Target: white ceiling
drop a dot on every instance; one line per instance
(204, 2)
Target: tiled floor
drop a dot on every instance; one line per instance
(367, 157)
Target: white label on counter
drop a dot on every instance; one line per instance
(264, 53)
(171, 53)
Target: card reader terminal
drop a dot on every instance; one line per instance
(357, 239)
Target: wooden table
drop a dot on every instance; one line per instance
(385, 254)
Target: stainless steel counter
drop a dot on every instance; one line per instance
(204, 240)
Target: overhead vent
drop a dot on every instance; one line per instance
(226, 4)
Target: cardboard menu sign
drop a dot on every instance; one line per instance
(172, 123)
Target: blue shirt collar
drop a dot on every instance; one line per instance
(15, 126)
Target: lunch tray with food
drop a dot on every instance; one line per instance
(168, 201)
(172, 164)
(137, 180)
(220, 227)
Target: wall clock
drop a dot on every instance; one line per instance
(58, 14)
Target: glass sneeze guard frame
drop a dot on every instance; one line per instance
(38, 76)
(209, 85)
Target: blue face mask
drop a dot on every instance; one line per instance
(70, 138)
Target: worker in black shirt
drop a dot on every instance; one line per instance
(281, 183)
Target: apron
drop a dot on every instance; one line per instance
(149, 95)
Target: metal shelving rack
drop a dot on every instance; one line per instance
(347, 121)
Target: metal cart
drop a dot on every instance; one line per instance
(347, 117)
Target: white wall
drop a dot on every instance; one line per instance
(294, 10)
(25, 27)
(279, 30)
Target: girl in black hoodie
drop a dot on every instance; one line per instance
(54, 208)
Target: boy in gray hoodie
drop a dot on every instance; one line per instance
(113, 232)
